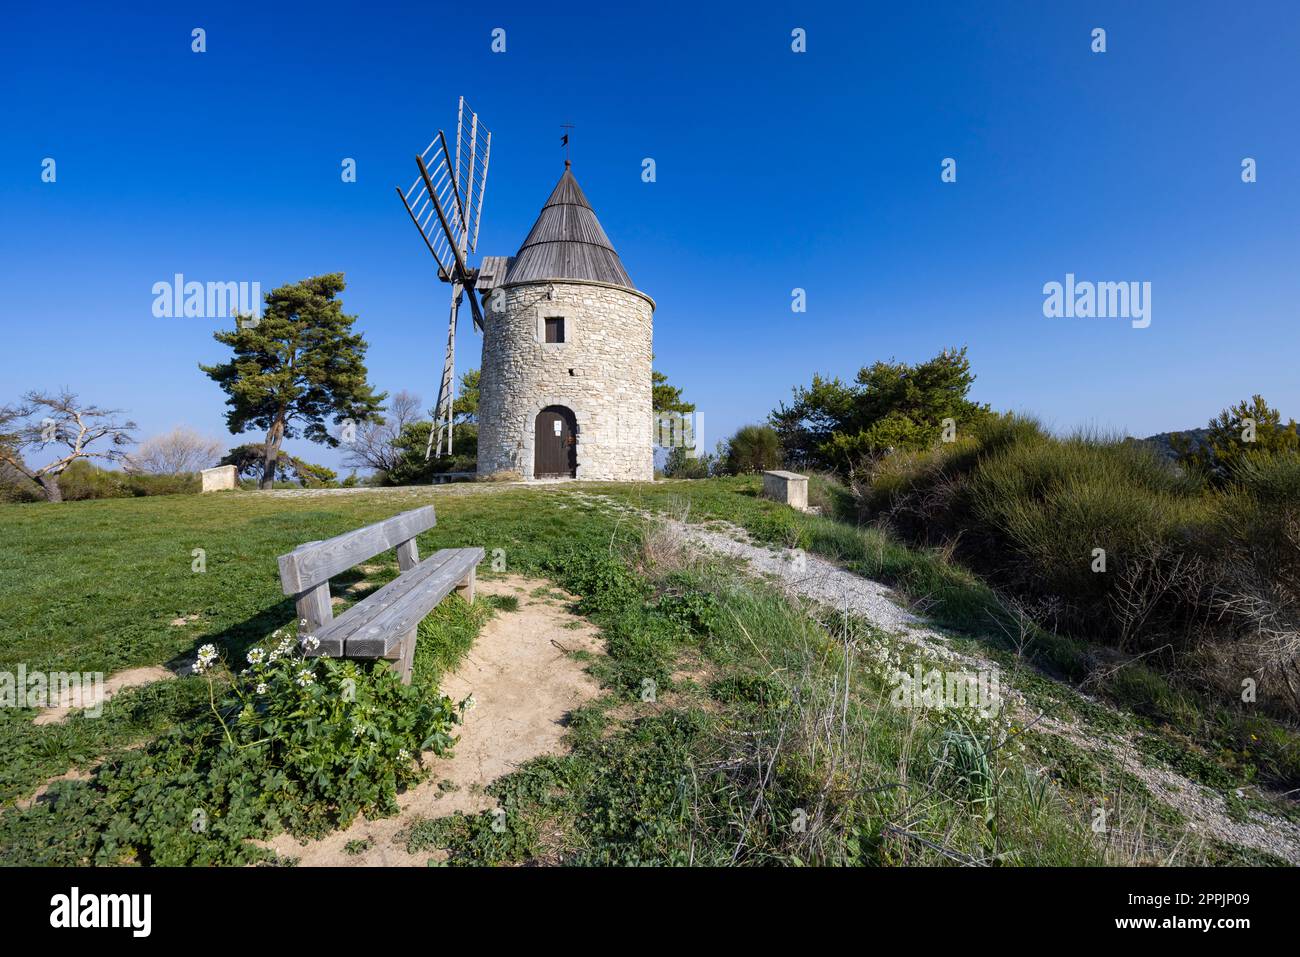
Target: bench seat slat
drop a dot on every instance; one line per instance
(374, 627)
(334, 633)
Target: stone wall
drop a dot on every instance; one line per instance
(601, 372)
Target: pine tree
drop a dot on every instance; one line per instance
(1246, 431)
(296, 367)
(667, 398)
(890, 405)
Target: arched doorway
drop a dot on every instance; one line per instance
(555, 443)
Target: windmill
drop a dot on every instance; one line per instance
(446, 204)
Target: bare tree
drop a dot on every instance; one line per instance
(44, 422)
(374, 446)
(180, 450)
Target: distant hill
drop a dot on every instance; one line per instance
(1165, 446)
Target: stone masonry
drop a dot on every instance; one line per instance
(601, 372)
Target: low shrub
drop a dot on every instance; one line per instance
(1116, 543)
(783, 527)
(83, 480)
(754, 448)
(681, 464)
(410, 467)
(696, 612)
(290, 743)
(16, 487)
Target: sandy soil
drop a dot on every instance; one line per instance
(523, 685)
(131, 678)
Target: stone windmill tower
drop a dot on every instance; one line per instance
(565, 382)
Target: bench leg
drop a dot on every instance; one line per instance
(466, 588)
(404, 661)
(408, 657)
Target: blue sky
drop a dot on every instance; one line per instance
(775, 170)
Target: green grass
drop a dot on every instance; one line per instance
(677, 779)
(720, 774)
(94, 586)
(504, 602)
(1241, 744)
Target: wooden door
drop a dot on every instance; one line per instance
(555, 446)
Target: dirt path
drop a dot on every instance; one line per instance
(523, 686)
(94, 697)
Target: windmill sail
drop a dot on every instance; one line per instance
(446, 205)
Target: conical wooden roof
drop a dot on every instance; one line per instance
(567, 242)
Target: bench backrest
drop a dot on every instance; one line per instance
(317, 562)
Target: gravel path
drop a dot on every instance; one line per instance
(808, 575)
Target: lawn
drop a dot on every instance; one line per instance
(110, 585)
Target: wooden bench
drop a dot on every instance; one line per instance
(383, 625)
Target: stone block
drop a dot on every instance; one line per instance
(218, 479)
(789, 488)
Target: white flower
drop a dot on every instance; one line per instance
(403, 755)
(309, 642)
(469, 703)
(207, 658)
(358, 730)
(261, 688)
(256, 656)
(305, 678)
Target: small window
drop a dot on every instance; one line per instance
(554, 328)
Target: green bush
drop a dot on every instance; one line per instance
(16, 487)
(1184, 563)
(697, 612)
(413, 469)
(1236, 436)
(248, 462)
(1054, 507)
(889, 406)
(291, 743)
(754, 448)
(83, 480)
(681, 464)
